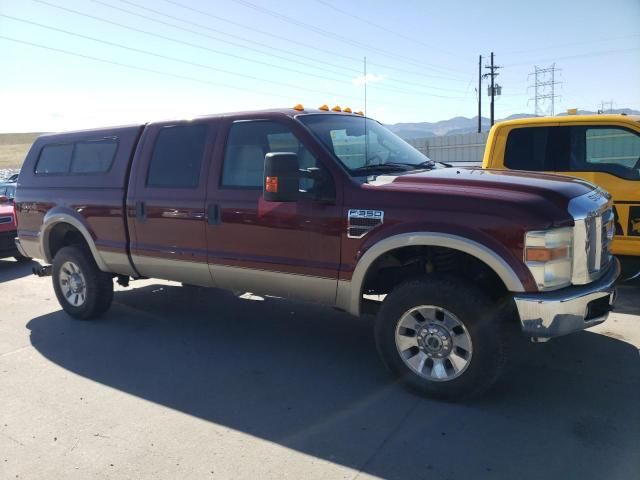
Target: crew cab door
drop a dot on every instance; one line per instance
(284, 249)
(166, 202)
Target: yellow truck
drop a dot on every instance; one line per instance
(602, 149)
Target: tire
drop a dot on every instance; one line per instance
(458, 339)
(83, 290)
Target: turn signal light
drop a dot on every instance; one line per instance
(337, 108)
(542, 254)
(299, 107)
(347, 110)
(324, 108)
(271, 184)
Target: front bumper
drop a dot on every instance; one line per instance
(551, 314)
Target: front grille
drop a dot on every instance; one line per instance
(600, 231)
(4, 220)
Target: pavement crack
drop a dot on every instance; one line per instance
(17, 350)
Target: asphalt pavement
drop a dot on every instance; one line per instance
(186, 383)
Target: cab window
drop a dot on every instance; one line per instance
(612, 150)
(249, 142)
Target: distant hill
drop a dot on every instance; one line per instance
(457, 125)
(14, 147)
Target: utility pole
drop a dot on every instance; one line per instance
(603, 104)
(495, 89)
(544, 85)
(480, 94)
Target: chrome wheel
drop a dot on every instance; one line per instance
(433, 343)
(73, 284)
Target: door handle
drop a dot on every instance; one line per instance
(213, 214)
(140, 211)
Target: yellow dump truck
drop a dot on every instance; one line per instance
(602, 149)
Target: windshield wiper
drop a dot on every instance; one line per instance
(416, 166)
(382, 167)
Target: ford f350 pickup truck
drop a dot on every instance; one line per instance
(329, 207)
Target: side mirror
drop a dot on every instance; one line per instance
(3, 199)
(281, 177)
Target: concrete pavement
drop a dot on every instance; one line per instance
(187, 383)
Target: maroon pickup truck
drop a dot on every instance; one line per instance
(328, 207)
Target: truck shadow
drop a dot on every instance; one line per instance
(308, 378)
(12, 270)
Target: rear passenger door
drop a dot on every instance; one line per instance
(166, 202)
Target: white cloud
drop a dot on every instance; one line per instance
(369, 78)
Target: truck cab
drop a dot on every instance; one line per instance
(602, 149)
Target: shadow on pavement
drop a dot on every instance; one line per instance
(12, 270)
(308, 378)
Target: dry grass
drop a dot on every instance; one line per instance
(14, 147)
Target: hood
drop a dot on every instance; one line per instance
(537, 200)
(6, 209)
(489, 183)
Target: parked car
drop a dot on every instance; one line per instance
(8, 230)
(8, 189)
(603, 149)
(328, 207)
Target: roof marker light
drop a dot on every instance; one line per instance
(324, 108)
(337, 108)
(347, 110)
(299, 107)
(359, 113)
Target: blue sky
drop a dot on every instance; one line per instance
(182, 58)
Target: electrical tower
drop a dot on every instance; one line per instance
(545, 89)
(606, 107)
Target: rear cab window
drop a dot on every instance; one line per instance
(77, 158)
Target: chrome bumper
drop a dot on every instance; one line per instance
(20, 248)
(571, 309)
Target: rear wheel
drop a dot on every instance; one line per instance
(441, 336)
(83, 290)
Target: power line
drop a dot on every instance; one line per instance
(377, 25)
(572, 44)
(328, 34)
(219, 52)
(580, 55)
(289, 40)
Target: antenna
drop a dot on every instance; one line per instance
(366, 137)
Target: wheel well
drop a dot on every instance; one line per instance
(398, 265)
(63, 235)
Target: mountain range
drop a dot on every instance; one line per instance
(457, 125)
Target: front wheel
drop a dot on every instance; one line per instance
(83, 290)
(441, 336)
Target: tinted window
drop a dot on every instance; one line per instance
(177, 157)
(55, 159)
(247, 145)
(93, 156)
(527, 149)
(613, 150)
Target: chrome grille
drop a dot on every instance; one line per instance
(4, 220)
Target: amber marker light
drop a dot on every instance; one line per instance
(347, 110)
(299, 107)
(324, 108)
(337, 108)
(271, 184)
(542, 254)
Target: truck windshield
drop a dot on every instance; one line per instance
(363, 145)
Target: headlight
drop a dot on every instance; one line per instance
(548, 254)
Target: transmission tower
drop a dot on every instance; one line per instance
(606, 107)
(545, 81)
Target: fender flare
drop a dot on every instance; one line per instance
(55, 217)
(350, 293)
